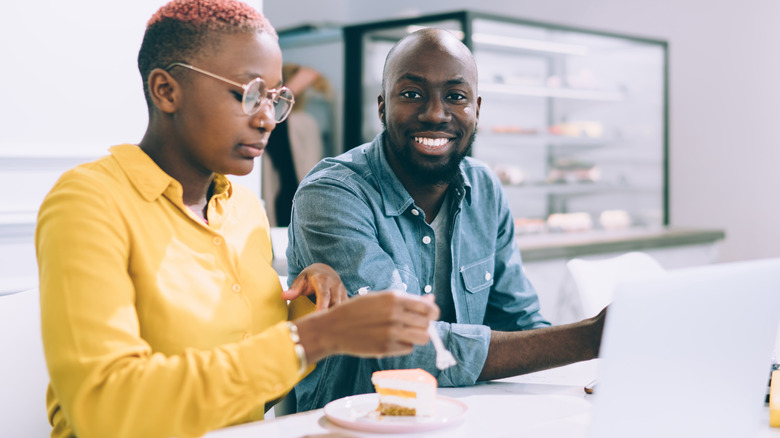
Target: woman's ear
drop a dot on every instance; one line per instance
(164, 90)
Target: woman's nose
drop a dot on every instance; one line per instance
(265, 117)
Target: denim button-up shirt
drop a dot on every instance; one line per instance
(353, 213)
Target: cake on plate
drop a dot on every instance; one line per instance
(405, 392)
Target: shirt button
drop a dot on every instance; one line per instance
(428, 288)
(246, 336)
(236, 288)
(216, 241)
(363, 290)
(415, 212)
(488, 276)
(405, 286)
(426, 240)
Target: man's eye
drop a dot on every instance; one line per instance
(456, 97)
(411, 95)
(239, 97)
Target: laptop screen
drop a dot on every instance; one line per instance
(688, 354)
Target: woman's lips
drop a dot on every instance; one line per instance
(252, 150)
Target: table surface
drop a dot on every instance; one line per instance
(546, 404)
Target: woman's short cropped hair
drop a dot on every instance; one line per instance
(183, 28)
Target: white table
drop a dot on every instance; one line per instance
(546, 404)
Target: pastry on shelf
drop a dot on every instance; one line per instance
(509, 175)
(573, 171)
(513, 129)
(525, 225)
(614, 219)
(577, 129)
(568, 222)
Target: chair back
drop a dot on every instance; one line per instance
(23, 374)
(596, 278)
(279, 243)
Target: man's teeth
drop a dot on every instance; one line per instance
(432, 142)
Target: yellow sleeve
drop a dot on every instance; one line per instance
(105, 378)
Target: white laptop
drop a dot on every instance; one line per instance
(688, 354)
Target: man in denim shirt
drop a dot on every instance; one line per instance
(411, 211)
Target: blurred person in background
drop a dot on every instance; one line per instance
(295, 146)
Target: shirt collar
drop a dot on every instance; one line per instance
(394, 196)
(462, 184)
(151, 181)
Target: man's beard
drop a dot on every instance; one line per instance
(432, 174)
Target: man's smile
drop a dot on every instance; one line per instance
(433, 144)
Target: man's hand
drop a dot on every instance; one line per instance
(321, 280)
(598, 323)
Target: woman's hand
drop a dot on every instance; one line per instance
(378, 324)
(321, 280)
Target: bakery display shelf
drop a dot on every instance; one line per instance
(520, 139)
(562, 141)
(559, 103)
(491, 41)
(573, 189)
(552, 92)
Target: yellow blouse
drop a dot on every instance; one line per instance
(154, 322)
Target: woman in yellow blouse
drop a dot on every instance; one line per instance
(161, 314)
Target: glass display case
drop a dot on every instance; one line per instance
(574, 122)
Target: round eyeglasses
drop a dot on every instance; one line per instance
(255, 94)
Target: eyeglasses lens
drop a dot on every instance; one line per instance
(283, 103)
(253, 96)
(257, 93)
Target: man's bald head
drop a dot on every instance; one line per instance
(425, 40)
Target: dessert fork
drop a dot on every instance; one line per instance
(444, 359)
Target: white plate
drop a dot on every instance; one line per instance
(360, 412)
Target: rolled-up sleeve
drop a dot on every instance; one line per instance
(468, 343)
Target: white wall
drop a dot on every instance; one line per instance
(69, 89)
(70, 83)
(724, 95)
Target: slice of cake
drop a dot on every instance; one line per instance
(405, 392)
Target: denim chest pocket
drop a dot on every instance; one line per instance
(478, 276)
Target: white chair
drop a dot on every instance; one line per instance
(23, 374)
(596, 278)
(279, 244)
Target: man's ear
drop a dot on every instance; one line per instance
(164, 90)
(380, 100)
(479, 104)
